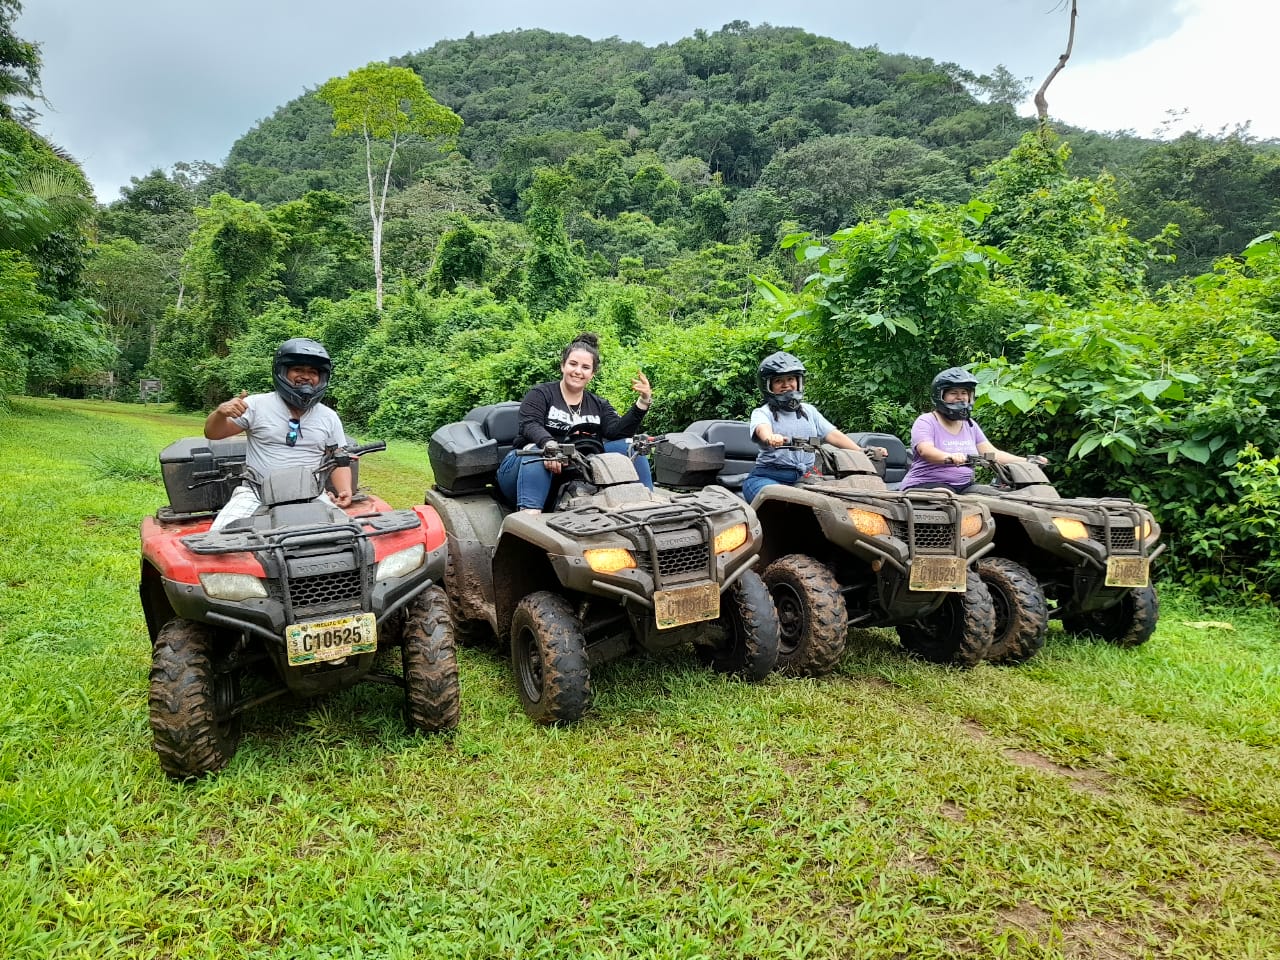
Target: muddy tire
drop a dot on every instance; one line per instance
(190, 702)
(1020, 610)
(1129, 623)
(549, 657)
(812, 620)
(431, 695)
(746, 643)
(959, 632)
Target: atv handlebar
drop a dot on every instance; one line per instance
(989, 460)
(812, 445)
(342, 456)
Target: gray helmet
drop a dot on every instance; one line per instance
(777, 365)
(300, 352)
(954, 377)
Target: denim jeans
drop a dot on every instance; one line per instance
(761, 477)
(525, 482)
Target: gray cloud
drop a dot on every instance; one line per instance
(147, 83)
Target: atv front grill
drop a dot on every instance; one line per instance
(326, 589)
(936, 537)
(1122, 536)
(676, 562)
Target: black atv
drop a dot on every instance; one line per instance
(840, 550)
(298, 598)
(608, 566)
(1089, 557)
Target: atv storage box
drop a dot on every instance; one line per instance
(462, 458)
(687, 460)
(194, 460)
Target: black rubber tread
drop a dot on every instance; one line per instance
(549, 658)
(813, 623)
(189, 740)
(466, 633)
(1021, 612)
(959, 632)
(1129, 623)
(431, 693)
(749, 627)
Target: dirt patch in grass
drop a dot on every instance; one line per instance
(1094, 782)
(1090, 781)
(952, 811)
(1098, 940)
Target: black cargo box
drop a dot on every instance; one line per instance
(194, 459)
(686, 460)
(462, 458)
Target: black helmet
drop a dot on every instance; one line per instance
(954, 377)
(300, 352)
(777, 365)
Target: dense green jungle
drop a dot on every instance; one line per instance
(699, 204)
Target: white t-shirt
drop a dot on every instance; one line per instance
(266, 427)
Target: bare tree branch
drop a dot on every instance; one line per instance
(1042, 105)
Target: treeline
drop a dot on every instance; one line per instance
(701, 204)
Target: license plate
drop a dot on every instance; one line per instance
(675, 608)
(1128, 571)
(331, 639)
(938, 574)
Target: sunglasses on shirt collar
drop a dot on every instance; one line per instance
(295, 431)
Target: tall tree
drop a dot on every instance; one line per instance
(19, 60)
(386, 105)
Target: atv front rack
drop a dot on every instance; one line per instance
(253, 541)
(647, 528)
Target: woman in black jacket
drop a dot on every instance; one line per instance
(565, 408)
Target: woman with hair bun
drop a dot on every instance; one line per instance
(566, 408)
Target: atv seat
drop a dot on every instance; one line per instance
(499, 422)
(740, 448)
(895, 465)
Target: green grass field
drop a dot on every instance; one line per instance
(1095, 803)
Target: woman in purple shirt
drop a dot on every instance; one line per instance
(944, 439)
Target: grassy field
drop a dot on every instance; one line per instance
(1095, 803)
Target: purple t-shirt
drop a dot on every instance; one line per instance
(927, 429)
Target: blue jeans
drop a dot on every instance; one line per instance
(761, 477)
(525, 482)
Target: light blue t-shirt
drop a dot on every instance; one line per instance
(806, 423)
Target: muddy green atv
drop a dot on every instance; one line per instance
(842, 551)
(610, 566)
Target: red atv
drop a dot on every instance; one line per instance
(298, 598)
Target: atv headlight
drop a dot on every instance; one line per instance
(868, 523)
(232, 586)
(731, 539)
(609, 559)
(400, 563)
(971, 525)
(1145, 530)
(1071, 528)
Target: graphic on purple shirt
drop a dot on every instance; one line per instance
(927, 429)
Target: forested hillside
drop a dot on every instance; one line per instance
(701, 204)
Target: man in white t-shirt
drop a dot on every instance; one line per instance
(287, 428)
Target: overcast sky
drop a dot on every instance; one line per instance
(137, 84)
